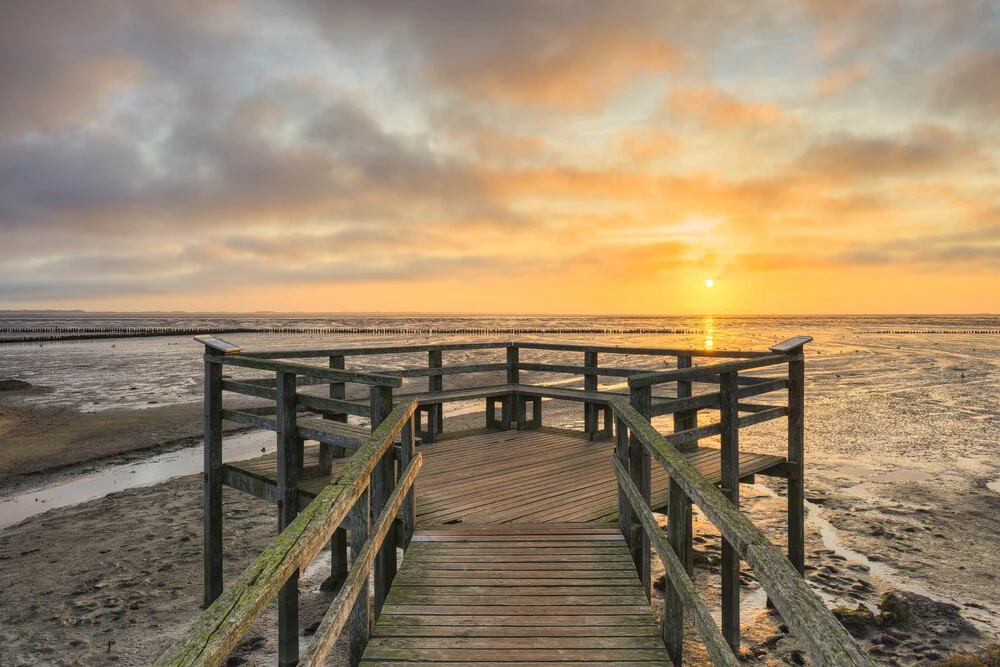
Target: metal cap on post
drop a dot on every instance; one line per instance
(791, 346)
(217, 345)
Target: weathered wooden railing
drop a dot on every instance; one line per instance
(590, 372)
(365, 490)
(780, 576)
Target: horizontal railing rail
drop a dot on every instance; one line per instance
(450, 347)
(224, 623)
(699, 373)
(701, 617)
(317, 372)
(825, 639)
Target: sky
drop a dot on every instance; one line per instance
(520, 156)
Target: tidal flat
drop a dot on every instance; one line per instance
(901, 479)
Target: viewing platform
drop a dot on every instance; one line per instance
(522, 543)
(497, 477)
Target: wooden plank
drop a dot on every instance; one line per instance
(435, 372)
(249, 419)
(373, 351)
(318, 372)
(639, 472)
(596, 618)
(359, 619)
(584, 370)
(540, 630)
(544, 475)
(600, 656)
(730, 564)
(796, 465)
(513, 361)
(532, 663)
(382, 482)
(211, 638)
(661, 377)
(288, 459)
(498, 616)
(345, 607)
(219, 346)
(650, 351)
(421, 644)
(332, 433)
(681, 587)
(213, 483)
(826, 640)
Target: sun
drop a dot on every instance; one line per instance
(709, 282)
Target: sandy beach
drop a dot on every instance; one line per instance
(898, 490)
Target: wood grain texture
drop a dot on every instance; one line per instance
(593, 616)
(543, 475)
(826, 640)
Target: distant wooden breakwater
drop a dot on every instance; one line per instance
(53, 334)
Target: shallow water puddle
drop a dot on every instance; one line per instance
(154, 470)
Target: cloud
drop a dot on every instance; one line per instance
(566, 55)
(928, 149)
(713, 108)
(971, 82)
(841, 78)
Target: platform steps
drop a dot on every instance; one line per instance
(517, 594)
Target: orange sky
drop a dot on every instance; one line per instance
(573, 156)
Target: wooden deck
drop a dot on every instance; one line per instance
(541, 475)
(517, 595)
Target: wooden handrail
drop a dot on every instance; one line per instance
(336, 616)
(826, 640)
(715, 643)
(220, 628)
(445, 347)
(642, 351)
(373, 351)
(329, 374)
(700, 372)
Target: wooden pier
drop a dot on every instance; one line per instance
(523, 544)
(499, 477)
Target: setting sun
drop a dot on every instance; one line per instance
(709, 282)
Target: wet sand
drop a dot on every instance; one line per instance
(901, 475)
(122, 574)
(43, 444)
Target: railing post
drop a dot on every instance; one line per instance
(796, 465)
(517, 413)
(590, 384)
(338, 543)
(337, 390)
(289, 463)
(382, 481)
(682, 422)
(359, 623)
(409, 510)
(640, 473)
(213, 476)
(679, 536)
(436, 383)
(689, 418)
(729, 409)
(624, 507)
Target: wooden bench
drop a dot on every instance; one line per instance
(513, 401)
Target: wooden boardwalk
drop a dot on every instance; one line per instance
(526, 594)
(540, 475)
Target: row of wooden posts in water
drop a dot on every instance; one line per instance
(368, 494)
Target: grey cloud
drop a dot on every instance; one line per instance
(927, 149)
(971, 82)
